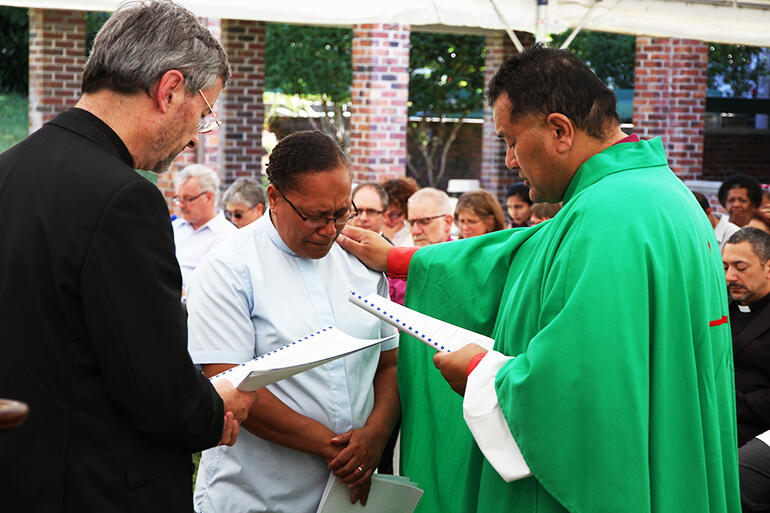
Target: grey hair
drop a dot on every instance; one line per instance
(143, 40)
(435, 196)
(377, 188)
(247, 191)
(208, 180)
(759, 240)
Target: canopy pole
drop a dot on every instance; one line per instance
(541, 29)
(579, 27)
(508, 30)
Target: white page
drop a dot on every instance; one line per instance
(388, 494)
(438, 334)
(315, 349)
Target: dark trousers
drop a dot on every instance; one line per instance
(754, 468)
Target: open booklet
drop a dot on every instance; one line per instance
(315, 349)
(388, 494)
(440, 335)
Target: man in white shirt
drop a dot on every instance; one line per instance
(201, 226)
(274, 281)
(430, 216)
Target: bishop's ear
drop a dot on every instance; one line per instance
(562, 131)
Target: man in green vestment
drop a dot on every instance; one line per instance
(610, 386)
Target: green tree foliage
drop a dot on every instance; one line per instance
(309, 61)
(94, 22)
(315, 63)
(610, 56)
(14, 53)
(446, 80)
(14, 45)
(735, 69)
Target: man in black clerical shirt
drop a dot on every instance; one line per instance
(746, 258)
(94, 338)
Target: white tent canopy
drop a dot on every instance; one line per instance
(726, 21)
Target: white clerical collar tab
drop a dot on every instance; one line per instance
(744, 309)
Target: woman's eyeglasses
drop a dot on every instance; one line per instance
(320, 221)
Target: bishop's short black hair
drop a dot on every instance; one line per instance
(543, 80)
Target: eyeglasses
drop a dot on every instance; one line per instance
(177, 200)
(423, 221)
(394, 215)
(210, 122)
(370, 212)
(319, 221)
(238, 214)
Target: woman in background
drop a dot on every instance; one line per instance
(477, 213)
(244, 201)
(396, 228)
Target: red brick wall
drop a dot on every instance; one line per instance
(57, 54)
(670, 99)
(243, 108)
(495, 177)
(380, 93)
(235, 149)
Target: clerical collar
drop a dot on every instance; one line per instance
(756, 306)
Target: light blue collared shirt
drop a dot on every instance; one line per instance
(192, 245)
(251, 295)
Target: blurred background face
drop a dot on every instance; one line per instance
(426, 231)
(471, 225)
(370, 212)
(394, 217)
(518, 210)
(739, 206)
(758, 223)
(195, 206)
(241, 214)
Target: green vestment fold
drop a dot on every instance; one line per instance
(621, 396)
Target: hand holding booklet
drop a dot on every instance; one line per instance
(440, 335)
(388, 494)
(331, 343)
(315, 349)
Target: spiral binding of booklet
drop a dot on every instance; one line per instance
(440, 335)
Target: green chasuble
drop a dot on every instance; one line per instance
(621, 396)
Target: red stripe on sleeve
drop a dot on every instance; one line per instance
(399, 259)
(723, 320)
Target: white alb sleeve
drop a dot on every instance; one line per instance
(485, 419)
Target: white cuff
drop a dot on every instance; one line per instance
(765, 437)
(485, 419)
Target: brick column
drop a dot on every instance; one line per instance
(210, 152)
(380, 93)
(57, 54)
(670, 99)
(495, 177)
(241, 101)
